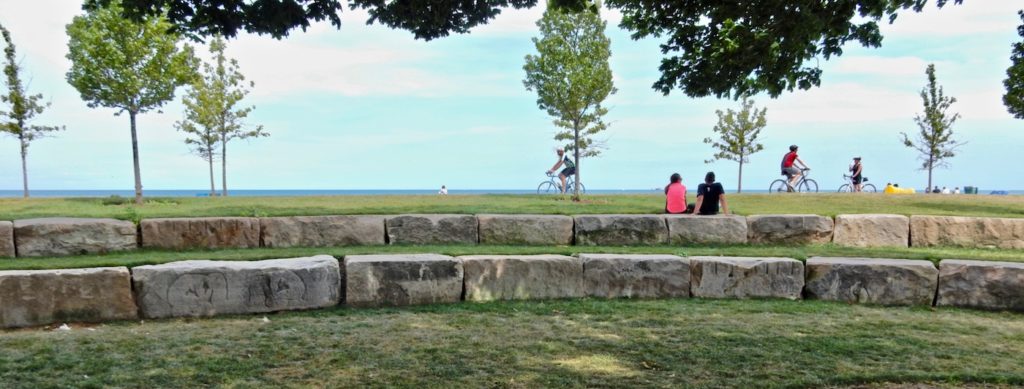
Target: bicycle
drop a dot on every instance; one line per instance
(870, 188)
(553, 185)
(803, 185)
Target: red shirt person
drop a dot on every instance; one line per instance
(790, 163)
(675, 195)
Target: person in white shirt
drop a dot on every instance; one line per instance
(956, 190)
(945, 190)
(443, 190)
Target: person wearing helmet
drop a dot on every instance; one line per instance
(570, 167)
(790, 167)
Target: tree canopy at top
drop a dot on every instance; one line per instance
(712, 47)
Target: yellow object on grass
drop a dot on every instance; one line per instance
(889, 189)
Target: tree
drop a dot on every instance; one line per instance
(210, 114)
(1014, 97)
(133, 67)
(935, 139)
(712, 47)
(738, 133)
(572, 77)
(23, 109)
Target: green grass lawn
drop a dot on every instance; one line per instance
(577, 343)
(150, 257)
(745, 204)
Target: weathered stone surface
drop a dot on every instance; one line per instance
(872, 281)
(402, 279)
(6, 239)
(698, 229)
(635, 275)
(432, 229)
(322, 231)
(959, 231)
(981, 284)
(67, 236)
(208, 288)
(736, 277)
(201, 233)
(549, 230)
(872, 231)
(508, 277)
(789, 229)
(615, 230)
(36, 297)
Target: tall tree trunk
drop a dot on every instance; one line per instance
(576, 157)
(739, 184)
(224, 167)
(24, 164)
(135, 160)
(213, 187)
(931, 164)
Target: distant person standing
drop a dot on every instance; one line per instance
(709, 195)
(790, 167)
(443, 191)
(675, 195)
(857, 171)
(570, 167)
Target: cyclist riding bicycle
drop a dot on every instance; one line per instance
(858, 177)
(789, 167)
(570, 167)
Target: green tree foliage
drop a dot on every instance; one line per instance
(737, 135)
(572, 77)
(212, 117)
(934, 140)
(712, 47)
(132, 67)
(22, 108)
(1014, 97)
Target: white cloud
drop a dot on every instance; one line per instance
(881, 66)
(971, 17)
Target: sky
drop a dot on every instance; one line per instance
(368, 107)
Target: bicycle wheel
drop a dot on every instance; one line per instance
(809, 186)
(845, 188)
(778, 186)
(869, 188)
(547, 187)
(571, 186)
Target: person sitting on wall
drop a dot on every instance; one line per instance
(709, 195)
(675, 195)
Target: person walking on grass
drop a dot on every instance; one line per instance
(790, 167)
(709, 195)
(570, 167)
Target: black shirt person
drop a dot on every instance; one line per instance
(709, 194)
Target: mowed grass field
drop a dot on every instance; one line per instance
(829, 204)
(534, 344)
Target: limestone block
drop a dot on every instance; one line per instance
(518, 277)
(70, 236)
(636, 275)
(617, 230)
(872, 231)
(737, 277)
(36, 297)
(705, 229)
(981, 284)
(209, 288)
(432, 229)
(872, 281)
(789, 229)
(960, 231)
(547, 230)
(6, 239)
(201, 233)
(322, 231)
(402, 279)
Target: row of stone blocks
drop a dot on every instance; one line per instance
(68, 236)
(209, 288)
